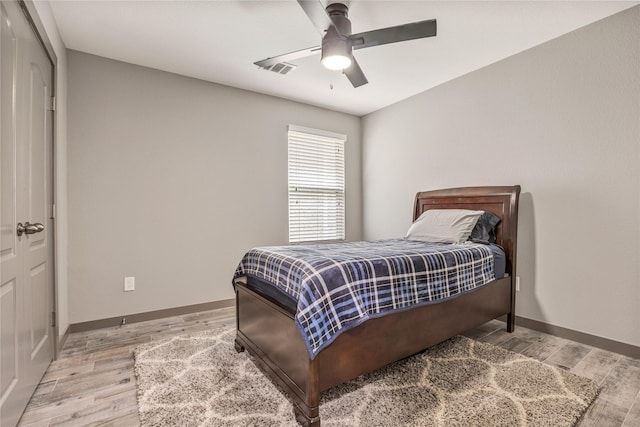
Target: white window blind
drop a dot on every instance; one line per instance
(316, 185)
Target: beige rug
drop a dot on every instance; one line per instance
(199, 380)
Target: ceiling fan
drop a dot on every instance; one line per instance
(338, 42)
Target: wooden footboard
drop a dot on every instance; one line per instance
(269, 333)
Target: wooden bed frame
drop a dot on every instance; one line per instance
(266, 329)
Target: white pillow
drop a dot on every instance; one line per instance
(444, 225)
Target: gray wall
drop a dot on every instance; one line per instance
(172, 179)
(562, 120)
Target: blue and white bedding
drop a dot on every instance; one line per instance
(338, 286)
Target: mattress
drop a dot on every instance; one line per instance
(290, 304)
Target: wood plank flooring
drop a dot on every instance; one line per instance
(93, 383)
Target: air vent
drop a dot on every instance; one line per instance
(280, 67)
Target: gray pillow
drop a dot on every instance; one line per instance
(444, 225)
(485, 228)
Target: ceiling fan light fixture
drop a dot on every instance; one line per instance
(336, 62)
(338, 42)
(336, 52)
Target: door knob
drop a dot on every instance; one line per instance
(29, 228)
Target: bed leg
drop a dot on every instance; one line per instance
(511, 322)
(239, 347)
(303, 419)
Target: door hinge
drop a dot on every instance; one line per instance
(53, 319)
(52, 104)
(52, 211)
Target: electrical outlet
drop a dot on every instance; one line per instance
(129, 284)
(517, 283)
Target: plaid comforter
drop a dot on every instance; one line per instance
(338, 286)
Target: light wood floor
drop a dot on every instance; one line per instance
(93, 382)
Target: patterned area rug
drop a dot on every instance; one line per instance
(199, 380)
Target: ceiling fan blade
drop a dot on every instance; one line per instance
(289, 56)
(317, 14)
(416, 30)
(355, 75)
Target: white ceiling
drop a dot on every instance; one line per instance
(218, 41)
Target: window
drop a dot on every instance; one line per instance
(316, 185)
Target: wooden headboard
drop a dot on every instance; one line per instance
(501, 201)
